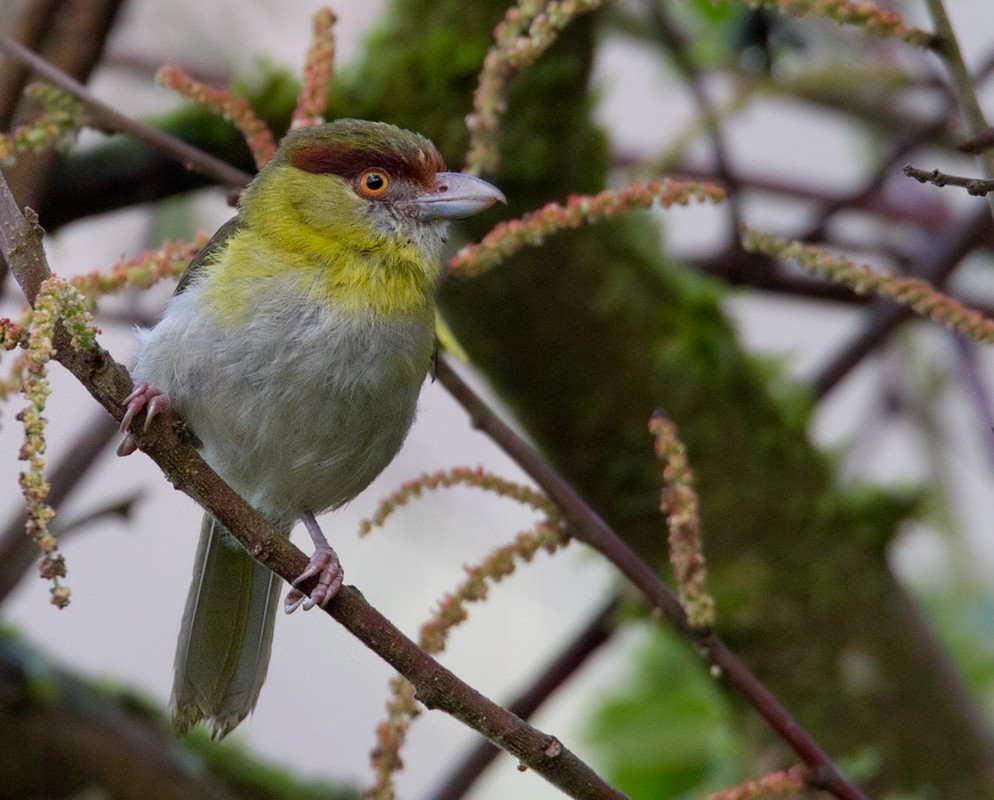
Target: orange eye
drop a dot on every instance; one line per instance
(374, 182)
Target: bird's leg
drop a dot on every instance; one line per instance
(325, 563)
(141, 396)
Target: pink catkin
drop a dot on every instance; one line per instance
(507, 238)
(775, 784)
(234, 109)
(318, 69)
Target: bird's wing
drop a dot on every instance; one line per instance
(204, 257)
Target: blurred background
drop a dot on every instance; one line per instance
(845, 486)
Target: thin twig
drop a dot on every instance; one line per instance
(111, 120)
(977, 391)
(676, 42)
(977, 144)
(974, 121)
(975, 186)
(588, 527)
(935, 267)
(884, 170)
(873, 202)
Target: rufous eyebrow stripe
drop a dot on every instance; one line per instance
(413, 164)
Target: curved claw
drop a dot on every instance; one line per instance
(127, 446)
(325, 564)
(142, 396)
(294, 600)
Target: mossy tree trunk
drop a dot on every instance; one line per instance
(585, 336)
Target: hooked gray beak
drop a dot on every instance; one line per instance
(456, 196)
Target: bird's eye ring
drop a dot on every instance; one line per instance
(373, 182)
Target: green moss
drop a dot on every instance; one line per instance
(666, 731)
(585, 336)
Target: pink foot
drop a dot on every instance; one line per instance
(325, 564)
(142, 396)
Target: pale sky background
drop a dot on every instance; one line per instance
(325, 691)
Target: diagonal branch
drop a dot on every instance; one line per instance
(438, 688)
(935, 267)
(111, 120)
(588, 527)
(588, 641)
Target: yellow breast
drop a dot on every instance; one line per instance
(384, 281)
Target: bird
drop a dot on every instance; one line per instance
(294, 349)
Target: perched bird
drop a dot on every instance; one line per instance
(295, 347)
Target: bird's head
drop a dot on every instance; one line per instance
(364, 184)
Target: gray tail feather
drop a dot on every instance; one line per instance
(226, 635)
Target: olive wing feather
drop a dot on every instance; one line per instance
(206, 255)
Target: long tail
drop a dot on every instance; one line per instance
(226, 635)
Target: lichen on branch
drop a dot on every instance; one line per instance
(56, 127)
(57, 301)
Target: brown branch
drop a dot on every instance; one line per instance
(872, 201)
(903, 146)
(763, 274)
(29, 29)
(73, 39)
(885, 316)
(109, 382)
(111, 120)
(674, 40)
(586, 526)
(963, 84)
(978, 187)
(975, 384)
(936, 266)
(977, 144)
(591, 638)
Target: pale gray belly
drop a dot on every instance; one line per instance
(295, 414)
